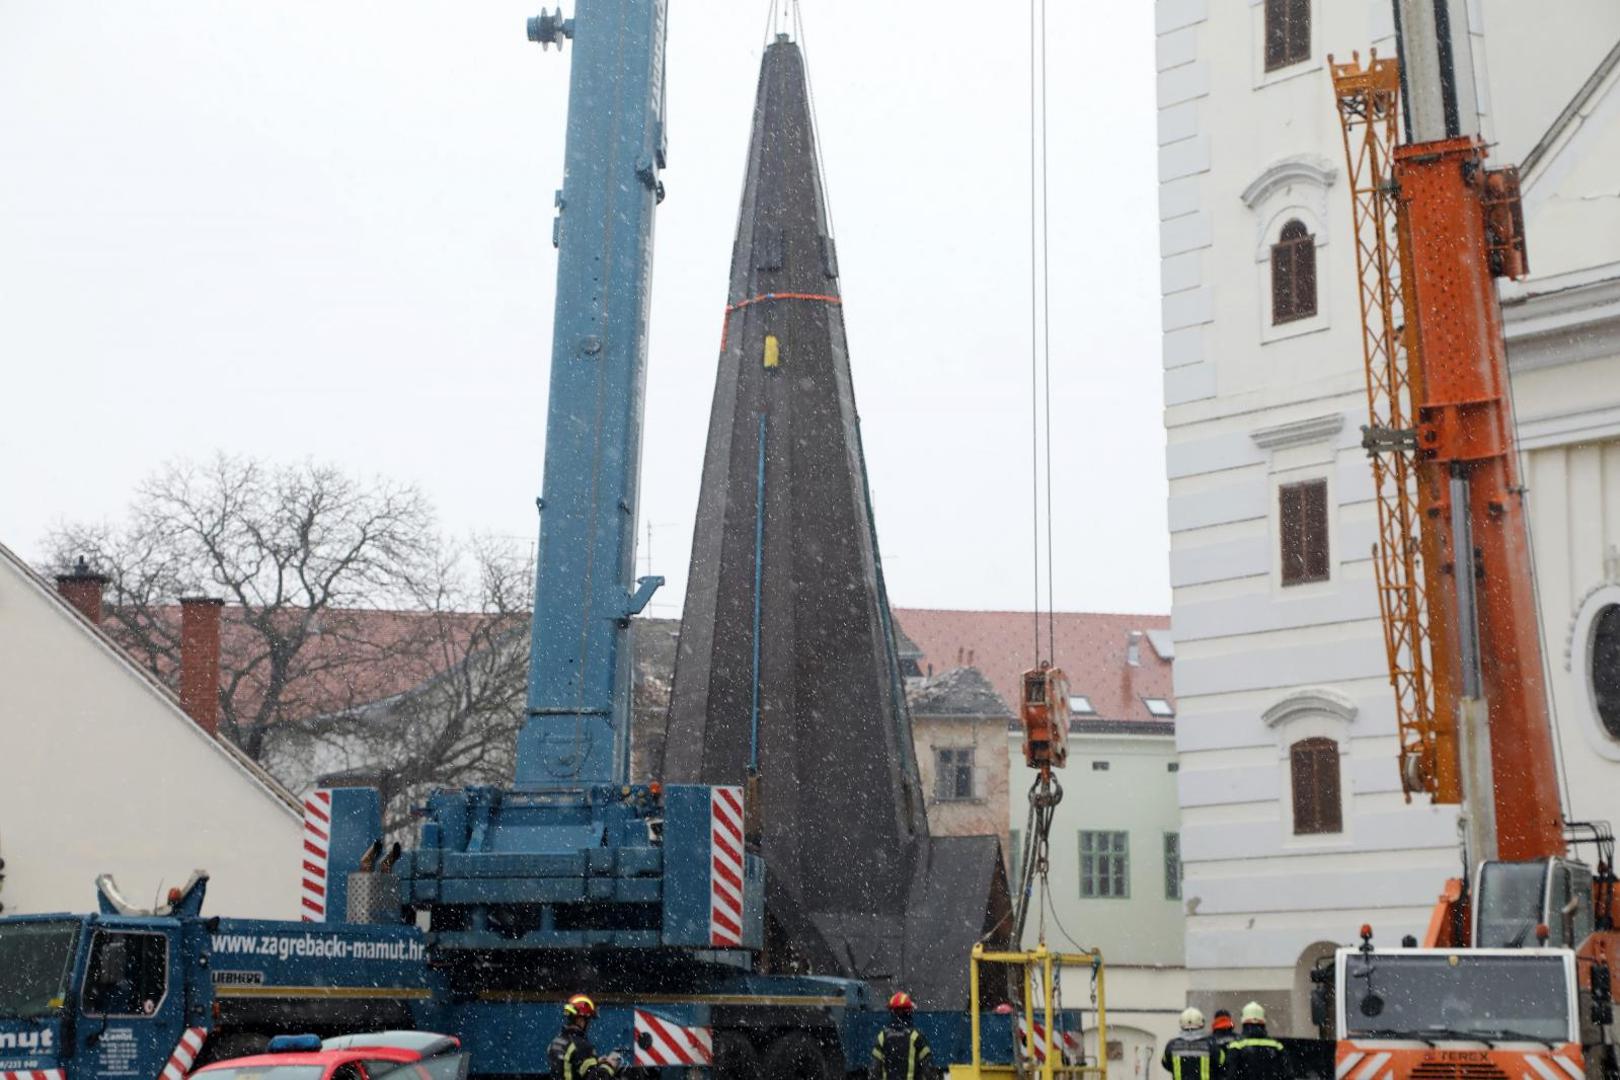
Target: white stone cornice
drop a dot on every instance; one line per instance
(1564, 325)
(1311, 701)
(1298, 432)
(1301, 168)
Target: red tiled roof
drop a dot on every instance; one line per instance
(356, 656)
(1091, 650)
(365, 655)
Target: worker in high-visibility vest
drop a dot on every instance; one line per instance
(1188, 1056)
(1254, 1054)
(901, 1052)
(571, 1055)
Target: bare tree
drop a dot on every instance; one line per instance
(455, 725)
(354, 640)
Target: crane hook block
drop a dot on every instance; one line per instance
(1043, 708)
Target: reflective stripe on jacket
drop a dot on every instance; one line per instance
(895, 1041)
(573, 1058)
(1181, 1050)
(1254, 1057)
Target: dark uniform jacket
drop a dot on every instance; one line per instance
(1254, 1055)
(1189, 1058)
(573, 1057)
(901, 1053)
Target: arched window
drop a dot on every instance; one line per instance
(1288, 32)
(1603, 668)
(1314, 768)
(1293, 274)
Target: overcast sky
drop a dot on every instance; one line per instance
(304, 229)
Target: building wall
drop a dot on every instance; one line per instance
(986, 813)
(105, 774)
(1141, 935)
(1575, 526)
(1250, 406)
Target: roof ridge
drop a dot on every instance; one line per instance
(1027, 612)
(1543, 147)
(257, 772)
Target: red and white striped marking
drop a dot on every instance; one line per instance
(317, 843)
(185, 1053)
(33, 1074)
(1379, 1065)
(669, 1043)
(725, 867)
(1071, 1041)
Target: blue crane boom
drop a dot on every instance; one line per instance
(578, 694)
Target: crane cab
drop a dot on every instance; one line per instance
(1516, 902)
(1043, 709)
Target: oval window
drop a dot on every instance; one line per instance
(1604, 668)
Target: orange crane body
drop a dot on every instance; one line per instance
(1461, 232)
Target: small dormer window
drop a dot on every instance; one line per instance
(1080, 705)
(1158, 706)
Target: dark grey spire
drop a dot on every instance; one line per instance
(786, 585)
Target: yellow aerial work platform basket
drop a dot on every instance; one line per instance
(1039, 1053)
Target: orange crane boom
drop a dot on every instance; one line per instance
(1435, 228)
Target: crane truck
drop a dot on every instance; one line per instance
(1512, 977)
(648, 897)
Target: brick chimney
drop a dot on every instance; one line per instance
(83, 589)
(199, 660)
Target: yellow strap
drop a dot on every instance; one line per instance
(911, 1057)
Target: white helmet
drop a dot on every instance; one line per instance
(1254, 1013)
(1192, 1020)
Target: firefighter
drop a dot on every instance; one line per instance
(901, 1052)
(1254, 1054)
(1221, 1030)
(571, 1054)
(1187, 1056)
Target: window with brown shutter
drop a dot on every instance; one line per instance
(1302, 527)
(1288, 32)
(1293, 274)
(1314, 765)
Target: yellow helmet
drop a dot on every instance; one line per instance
(581, 1006)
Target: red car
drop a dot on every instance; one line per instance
(396, 1055)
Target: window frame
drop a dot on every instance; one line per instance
(1294, 43)
(940, 774)
(1323, 804)
(1085, 708)
(1159, 708)
(1293, 261)
(1104, 876)
(89, 974)
(1605, 613)
(1308, 573)
(1581, 645)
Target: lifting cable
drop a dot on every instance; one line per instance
(1040, 328)
(1045, 793)
(784, 19)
